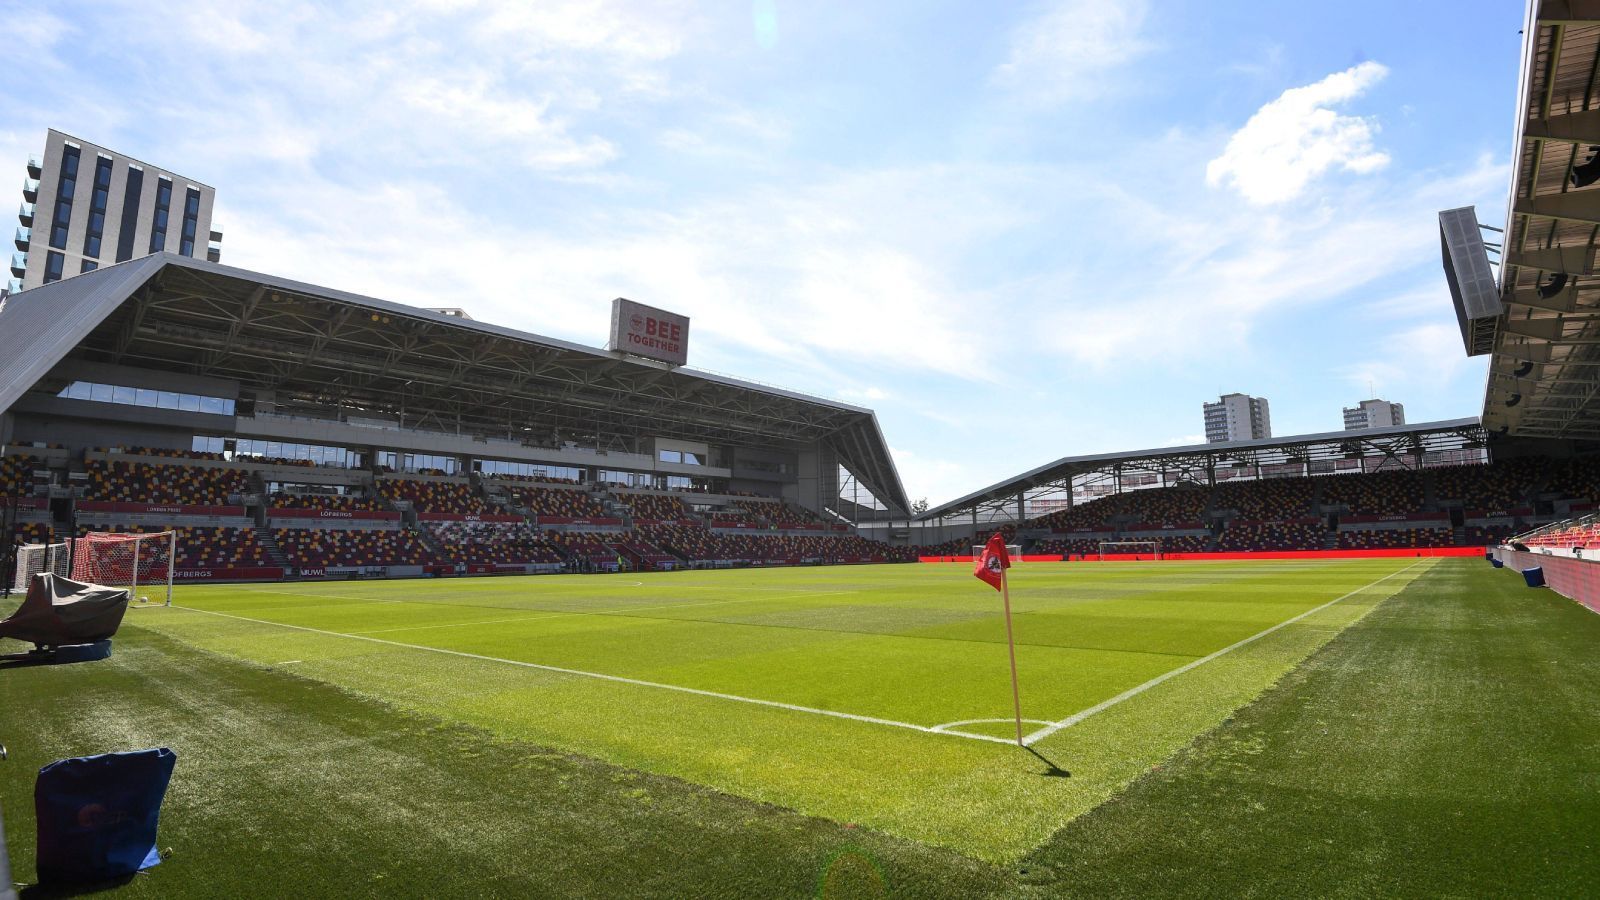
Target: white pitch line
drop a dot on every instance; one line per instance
(872, 720)
(1104, 705)
(613, 613)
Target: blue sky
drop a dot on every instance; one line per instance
(1017, 231)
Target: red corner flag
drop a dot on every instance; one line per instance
(993, 562)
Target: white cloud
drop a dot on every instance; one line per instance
(1060, 54)
(1297, 137)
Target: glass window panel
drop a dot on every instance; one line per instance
(188, 403)
(100, 392)
(120, 394)
(167, 400)
(211, 405)
(145, 397)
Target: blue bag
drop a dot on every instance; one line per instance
(97, 814)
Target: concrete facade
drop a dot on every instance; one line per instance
(1237, 417)
(33, 241)
(1373, 414)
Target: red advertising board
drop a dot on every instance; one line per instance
(646, 331)
(174, 509)
(24, 502)
(371, 515)
(243, 573)
(569, 520)
(465, 517)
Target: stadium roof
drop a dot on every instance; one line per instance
(316, 348)
(1398, 440)
(1544, 376)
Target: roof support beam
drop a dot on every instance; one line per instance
(1579, 206)
(1569, 12)
(1573, 260)
(1578, 127)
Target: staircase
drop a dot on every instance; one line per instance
(432, 542)
(269, 542)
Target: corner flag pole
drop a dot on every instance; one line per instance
(1011, 644)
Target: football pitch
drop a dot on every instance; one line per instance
(872, 695)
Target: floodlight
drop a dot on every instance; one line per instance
(1587, 172)
(1558, 283)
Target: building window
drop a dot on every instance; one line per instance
(65, 188)
(130, 396)
(97, 207)
(158, 224)
(670, 456)
(53, 264)
(130, 214)
(89, 265)
(191, 222)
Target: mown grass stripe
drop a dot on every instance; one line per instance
(1104, 705)
(792, 707)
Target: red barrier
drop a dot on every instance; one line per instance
(24, 502)
(342, 514)
(468, 517)
(257, 573)
(569, 520)
(1399, 517)
(175, 509)
(1575, 579)
(1385, 553)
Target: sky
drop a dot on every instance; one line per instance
(1015, 231)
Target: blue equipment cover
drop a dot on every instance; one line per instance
(97, 814)
(1534, 576)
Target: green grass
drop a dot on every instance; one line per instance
(489, 778)
(922, 645)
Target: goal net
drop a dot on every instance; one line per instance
(33, 559)
(142, 563)
(1139, 550)
(1014, 551)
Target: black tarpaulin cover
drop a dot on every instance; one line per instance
(60, 611)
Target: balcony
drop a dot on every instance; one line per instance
(19, 264)
(214, 252)
(25, 213)
(35, 165)
(216, 233)
(30, 189)
(23, 236)
(14, 285)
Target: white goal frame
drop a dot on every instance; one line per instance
(1130, 548)
(32, 559)
(95, 559)
(1014, 551)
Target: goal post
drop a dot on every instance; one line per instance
(1013, 551)
(1139, 550)
(133, 561)
(34, 559)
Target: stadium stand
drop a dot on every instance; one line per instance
(1376, 493)
(318, 547)
(656, 507)
(1389, 538)
(153, 483)
(559, 502)
(434, 496)
(284, 500)
(1272, 536)
(1274, 499)
(494, 542)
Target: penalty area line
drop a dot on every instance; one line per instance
(600, 676)
(1132, 692)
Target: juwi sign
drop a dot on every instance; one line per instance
(649, 332)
